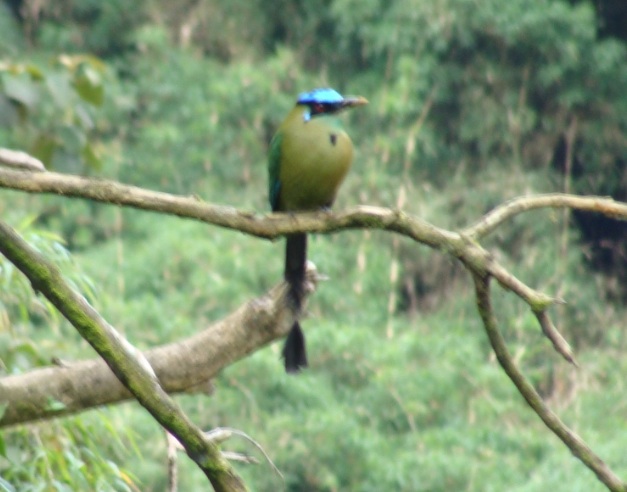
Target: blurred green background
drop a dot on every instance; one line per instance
(472, 103)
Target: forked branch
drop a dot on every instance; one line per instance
(461, 245)
(576, 445)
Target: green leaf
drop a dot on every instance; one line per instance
(55, 405)
(72, 137)
(27, 222)
(34, 71)
(88, 84)
(59, 86)
(3, 449)
(22, 89)
(44, 148)
(6, 486)
(91, 158)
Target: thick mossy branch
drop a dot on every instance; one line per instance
(183, 366)
(128, 364)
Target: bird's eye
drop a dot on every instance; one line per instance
(318, 108)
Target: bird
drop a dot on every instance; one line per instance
(309, 157)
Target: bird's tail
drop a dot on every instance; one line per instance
(294, 353)
(295, 264)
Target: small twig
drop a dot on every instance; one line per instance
(559, 342)
(242, 458)
(173, 470)
(221, 434)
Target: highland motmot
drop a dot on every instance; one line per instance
(309, 157)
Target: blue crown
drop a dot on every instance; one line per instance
(321, 95)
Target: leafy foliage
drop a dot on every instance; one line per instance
(51, 112)
(58, 455)
(472, 103)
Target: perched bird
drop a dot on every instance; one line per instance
(309, 157)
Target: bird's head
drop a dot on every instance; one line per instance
(327, 101)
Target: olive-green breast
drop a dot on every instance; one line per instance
(314, 157)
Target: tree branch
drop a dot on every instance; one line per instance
(576, 445)
(276, 225)
(508, 210)
(183, 366)
(461, 245)
(127, 363)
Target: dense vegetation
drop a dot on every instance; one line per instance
(472, 103)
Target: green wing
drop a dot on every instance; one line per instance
(274, 168)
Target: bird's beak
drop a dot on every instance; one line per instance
(354, 101)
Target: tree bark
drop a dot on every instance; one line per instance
(186, 365)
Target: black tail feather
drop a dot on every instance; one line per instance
(295, 265)
(294, 352)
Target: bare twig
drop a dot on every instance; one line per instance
(221, 434)
(559, 342)
(242, 458)
(173, 468)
